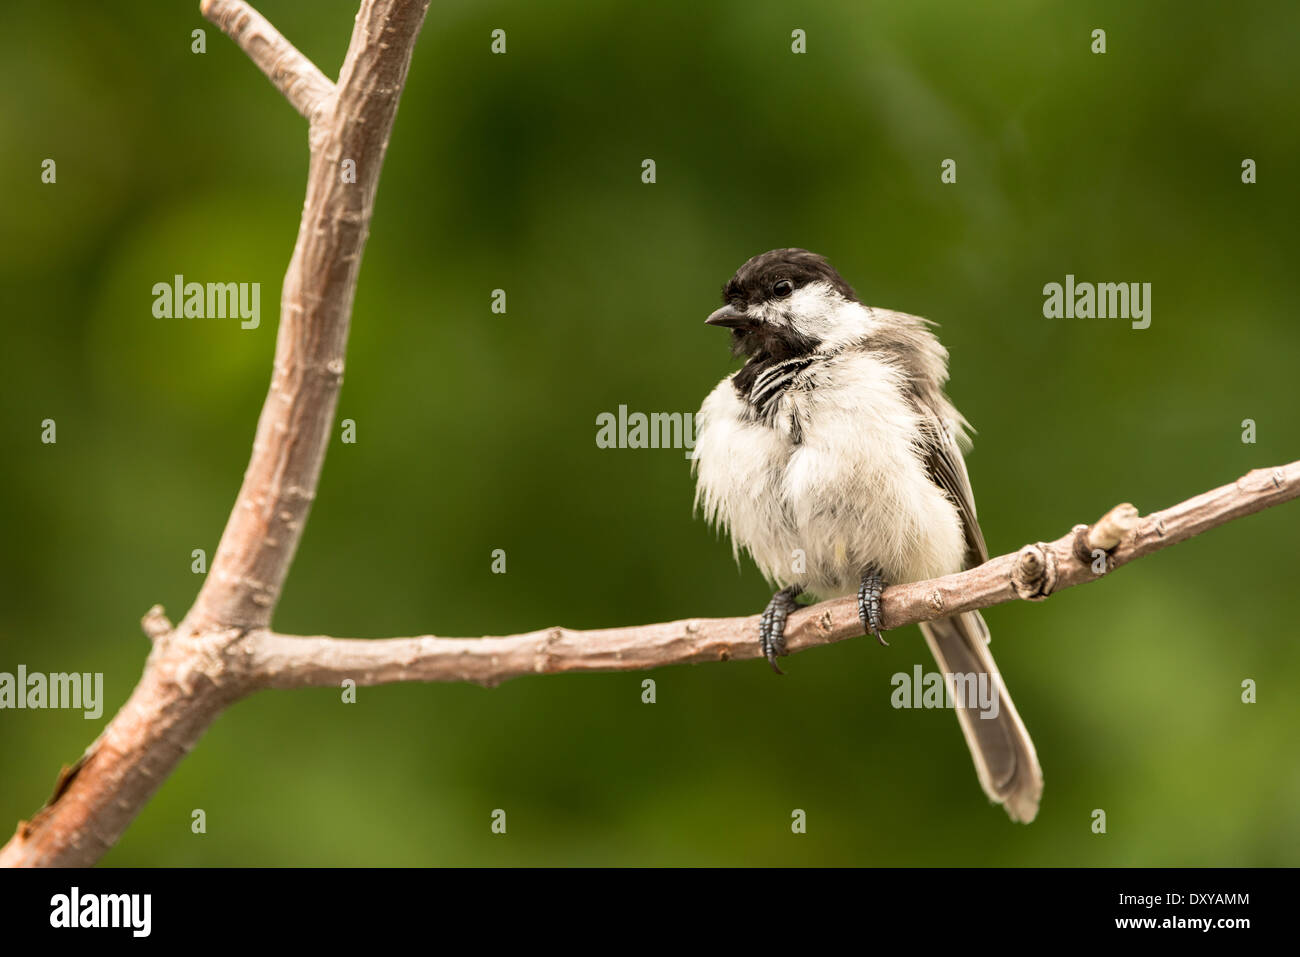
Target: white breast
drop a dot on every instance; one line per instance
(851, 492)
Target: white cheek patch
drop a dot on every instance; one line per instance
(817, 299)
(820, 313)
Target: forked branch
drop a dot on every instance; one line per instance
(301, 82)
(189, 677)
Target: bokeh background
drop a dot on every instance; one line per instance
(476, 431)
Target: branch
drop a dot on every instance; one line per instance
(197, 669)
(1033, 573)
(302, 84)
(266, 524)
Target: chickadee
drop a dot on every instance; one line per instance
(834, 458)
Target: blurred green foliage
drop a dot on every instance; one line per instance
(476, 431)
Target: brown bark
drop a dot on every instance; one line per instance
(196, 669)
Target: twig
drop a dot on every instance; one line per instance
(1034, 572)
(302, 84)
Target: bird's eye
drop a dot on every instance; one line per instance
(783, 288)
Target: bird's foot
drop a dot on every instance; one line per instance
(771, 627)
(869, 602)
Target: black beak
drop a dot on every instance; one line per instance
(729, 317)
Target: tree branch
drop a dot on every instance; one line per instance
(302, 84)
(266, 524)
(197, 669)
(1033, 573)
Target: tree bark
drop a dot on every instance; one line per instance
(197, 669)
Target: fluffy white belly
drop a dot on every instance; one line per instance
(831, 485)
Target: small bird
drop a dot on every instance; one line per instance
(834, 458)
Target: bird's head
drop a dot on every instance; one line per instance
(785, 303)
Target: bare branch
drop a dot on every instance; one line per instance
(265, 526)
(1033, 573)
(302, 84)
(198, 668)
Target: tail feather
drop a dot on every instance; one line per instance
(1004, 755)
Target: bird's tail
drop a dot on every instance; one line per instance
(1004, 756)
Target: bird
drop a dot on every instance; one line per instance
(834, 458)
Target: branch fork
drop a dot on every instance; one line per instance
(300, 80)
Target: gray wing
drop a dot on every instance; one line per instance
(1002, 750)
(947, 468)
(907, 342)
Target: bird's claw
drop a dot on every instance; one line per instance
(771, 627)
(869, 592)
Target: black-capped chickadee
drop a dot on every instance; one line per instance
(834, 458)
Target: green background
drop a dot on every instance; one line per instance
(476, 431)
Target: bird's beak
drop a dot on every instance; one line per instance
(729, 317)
